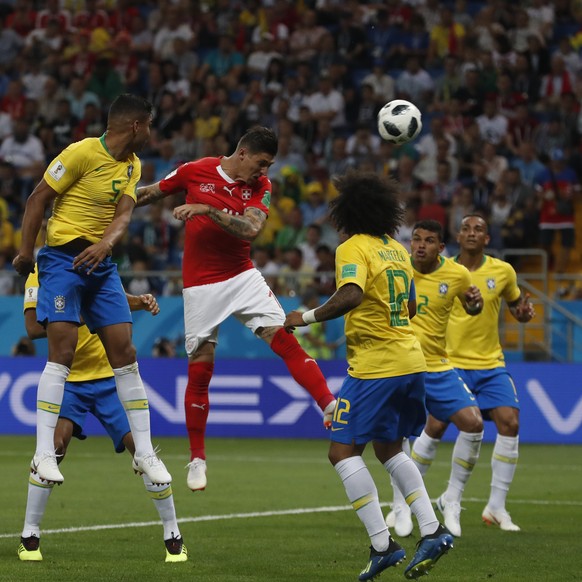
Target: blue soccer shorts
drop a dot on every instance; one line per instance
(65, 294)
(384, 409)
(446, 394)
(493, 388)
(99, 397)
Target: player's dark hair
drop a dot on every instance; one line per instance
(131, 106)
(431, 226)
(260, 140)
(367, 204)
(480, 215)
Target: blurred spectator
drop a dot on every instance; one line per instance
(522, 127)
(174, 25)
(53, 13)
(446, 38)
(551, 135)
(312, 338)
(91, 16)
(310, 245)
(415, 84)
(481, 186)
(499, 212)
(14, 99)
(446, 187)
(446, 85)
(327, 102)
(65, 124)
(324, 279)
(363, 144)
(338, 161)
(527, 163)
(263, 261)
(259, 58)
(286, 159)
(381, 35)
(44, 43)
(125, 61)
(351, 41)
(404, 233)
(518, 193)
(462, 205)
(430, 209)
(225, 62)
(525, 81)
(470, 94)
(382, 84)
(22, 19)
(292, 234)
(139, 283)
(304, 40)
(495, 164)
(105, 82)
(7, 240)
(295, 276)
(492, 125)
(555, 83)
(184, 142)
(79, 97)
(91, 124)
(557, 186)
(24, 151)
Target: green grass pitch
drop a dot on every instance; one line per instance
(275, 510)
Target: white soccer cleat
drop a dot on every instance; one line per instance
(499, 517)
(452, 513)
(153, 467)
(328, 414)
(44, 464)
(197, 474)
(400, 519)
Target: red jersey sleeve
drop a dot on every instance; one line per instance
(175, 181)
(261, 197)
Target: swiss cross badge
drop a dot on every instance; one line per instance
(246, 193)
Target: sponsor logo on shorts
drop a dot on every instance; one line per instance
(57, 170)
(59, 304)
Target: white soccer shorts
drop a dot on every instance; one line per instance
(246, 296)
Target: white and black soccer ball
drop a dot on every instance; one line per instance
(399, 121)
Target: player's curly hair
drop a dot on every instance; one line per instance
(367, 204)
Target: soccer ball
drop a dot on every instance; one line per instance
(399, 121)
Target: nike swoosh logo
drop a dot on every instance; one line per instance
(52, 407)
(333, 429)
(309, 360)
(98, 169)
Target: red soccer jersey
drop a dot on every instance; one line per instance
(211, 254)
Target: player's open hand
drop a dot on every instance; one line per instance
(293, 320)
(23, 265)
(188, 211)
(88, 260)
(524, 310)
(150, 303)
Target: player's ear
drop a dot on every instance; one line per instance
(441, 247)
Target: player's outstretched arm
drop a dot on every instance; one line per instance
(36, 205)
(246, 227)
(145, 302)
(149, 194)
(341, 302)
(522, 309)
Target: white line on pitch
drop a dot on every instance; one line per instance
(255, 514)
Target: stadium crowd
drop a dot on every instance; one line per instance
(499, 84)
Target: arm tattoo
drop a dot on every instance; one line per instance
(246, 227)
(149, 194)
(342, 301)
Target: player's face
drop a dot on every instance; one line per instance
(473, 235)
(425, 247)
(253, 166)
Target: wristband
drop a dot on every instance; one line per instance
(309, 316)
(473, 308)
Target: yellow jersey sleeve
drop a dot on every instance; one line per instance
(89, 183)
(473, 341)
(379, 338)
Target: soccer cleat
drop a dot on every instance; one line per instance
(153, 467)
(196, 474)
(176, 551)
(400, 519)
(29, 550)
(499, 517)
(428, 551)
(44, 464)
(379, 561)
(452, 514)
(328, 414)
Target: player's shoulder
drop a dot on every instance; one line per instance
(450, 266)
(201, 167)
(87, 145)
(498, 265)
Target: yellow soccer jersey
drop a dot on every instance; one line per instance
(90, 183)
(473, 341)
(380, 340)
(90, 361)
(435, 296)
